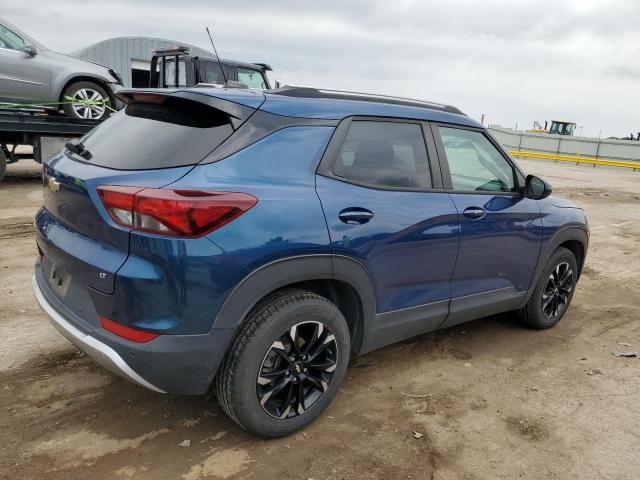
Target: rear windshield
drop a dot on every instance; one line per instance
(174, 133)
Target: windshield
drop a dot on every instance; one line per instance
(251, 78)
(560, 128)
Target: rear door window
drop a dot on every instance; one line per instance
(384, 154)
(173, 133)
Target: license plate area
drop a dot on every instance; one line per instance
(59, 281)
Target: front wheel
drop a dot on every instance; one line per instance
(286, 364)
(553, 292)
(86, 100)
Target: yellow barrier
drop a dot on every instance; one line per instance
(576, 159)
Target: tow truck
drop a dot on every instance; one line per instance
(177, 67)
(47, 133)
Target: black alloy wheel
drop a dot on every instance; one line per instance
(286, 364)
(554, 289)
(297, 370)
(557, 290)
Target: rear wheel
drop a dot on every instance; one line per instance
(286, 364)
(554, 291)
(86, 100)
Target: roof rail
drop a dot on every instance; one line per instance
(312, 92)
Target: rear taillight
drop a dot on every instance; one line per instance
(128, 333)
(178, 213)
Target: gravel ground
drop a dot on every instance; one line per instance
(489, 398)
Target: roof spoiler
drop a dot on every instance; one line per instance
(237, 113)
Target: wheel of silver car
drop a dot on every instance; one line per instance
(90, 104)
(86, 100)
(297, 370)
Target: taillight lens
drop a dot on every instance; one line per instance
(178, 213)
(128, 333)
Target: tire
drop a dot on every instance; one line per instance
(243, 391)
(3, 165)
(86, 91)
(550, 300)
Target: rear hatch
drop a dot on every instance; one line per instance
(153, 142)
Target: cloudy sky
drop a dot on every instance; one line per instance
(514, 61)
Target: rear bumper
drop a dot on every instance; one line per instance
(179, 364)
(101, 352)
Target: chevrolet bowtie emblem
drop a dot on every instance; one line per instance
(53, 184)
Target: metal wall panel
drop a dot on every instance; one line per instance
(563, 145)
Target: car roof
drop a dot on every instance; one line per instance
(307, 102)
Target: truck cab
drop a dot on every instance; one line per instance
(176, 67)
(562, 128)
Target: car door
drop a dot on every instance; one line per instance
(23, 77)
(500, 229)
(385, 207)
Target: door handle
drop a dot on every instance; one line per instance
(355, 216)
(474, 213)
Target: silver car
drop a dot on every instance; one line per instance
(31, 74)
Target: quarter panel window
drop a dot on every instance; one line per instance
(384, 154)
(474, 162)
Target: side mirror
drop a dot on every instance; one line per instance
(30, 50)
(536, 188)
(277, 84)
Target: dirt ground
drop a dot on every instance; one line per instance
(490, 399)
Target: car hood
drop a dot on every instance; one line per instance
(563, 203)
(83, 66)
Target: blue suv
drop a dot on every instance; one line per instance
(248, 242)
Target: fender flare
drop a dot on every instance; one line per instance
(576, 233)
(287, 271)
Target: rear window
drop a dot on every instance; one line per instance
(143, 136)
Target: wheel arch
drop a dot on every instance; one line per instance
(86, 78)
(343, 280)
(574, 239)
(578, 249)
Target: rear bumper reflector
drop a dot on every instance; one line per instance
(102, 353)
(127, 333)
